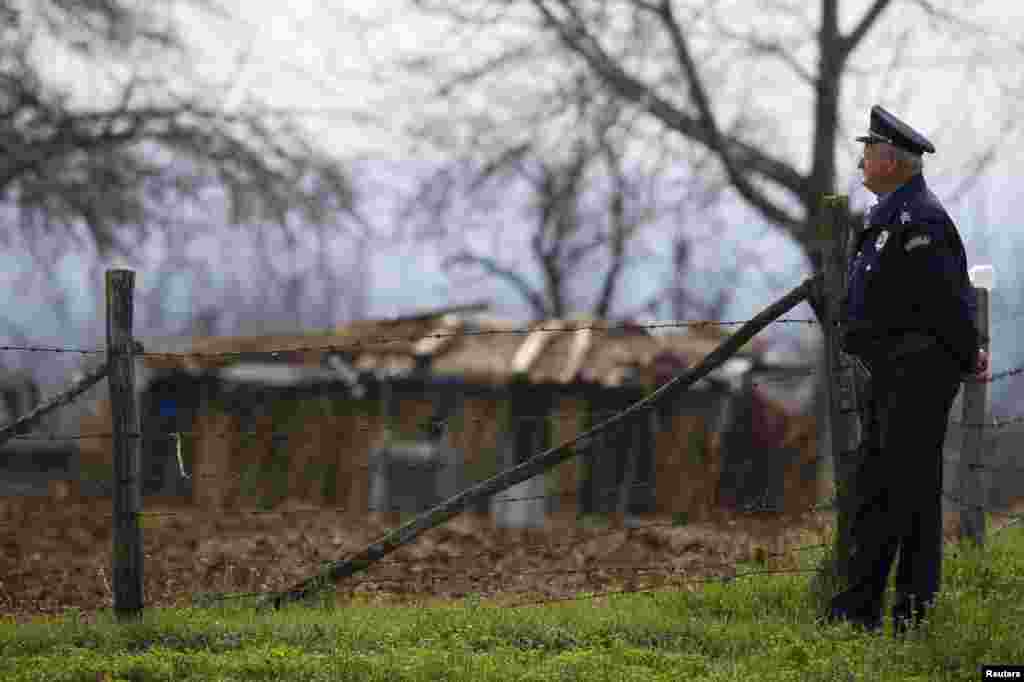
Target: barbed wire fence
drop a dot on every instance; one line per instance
(20, 428)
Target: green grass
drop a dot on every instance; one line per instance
(759, 628)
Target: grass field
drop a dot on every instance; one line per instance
(756, 628)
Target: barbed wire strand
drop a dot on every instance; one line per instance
(309, 437)
(1016, 519)
(482, 332)
(944, 492)
(358, 343)
(597, 567)
(995, 423)
(306, 436)
(600, 494)
(210, 598)
(409, 338)
(627, 326)
(760, 558)
(499, 499)
(303, 435)
(592, 534)
(590, 569)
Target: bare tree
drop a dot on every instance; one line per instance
(586, 201)
(103, 168)
(220, 301)
(141, 167)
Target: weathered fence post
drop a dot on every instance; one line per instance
(127, 549)
(970, 491)
(843, 420)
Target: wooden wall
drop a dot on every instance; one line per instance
(323, 441)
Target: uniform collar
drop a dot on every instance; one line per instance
(911, 186)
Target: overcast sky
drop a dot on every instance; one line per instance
(306, 57)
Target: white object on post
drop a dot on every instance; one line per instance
(983, 276)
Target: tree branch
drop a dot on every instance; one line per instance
(619, 232)
(759, 46)
(738, 154)
(518, 282)
(849, 43)
(715, 139)
(69, 166)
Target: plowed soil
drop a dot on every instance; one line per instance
(57, 556)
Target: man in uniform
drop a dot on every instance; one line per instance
(910, 322)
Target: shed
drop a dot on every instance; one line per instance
(312, 424)
(27, 466)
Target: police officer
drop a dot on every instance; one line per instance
(910, 322)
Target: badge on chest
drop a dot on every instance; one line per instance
(880, 242)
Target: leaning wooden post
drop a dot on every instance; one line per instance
(970, 490)
(539, 463)
(127, 549)
(843, 421)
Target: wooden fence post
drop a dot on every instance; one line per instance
(970, 491)
(127, 536)
(843, 417)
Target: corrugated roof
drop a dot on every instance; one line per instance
(475, 347)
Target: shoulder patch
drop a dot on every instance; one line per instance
(919, 240)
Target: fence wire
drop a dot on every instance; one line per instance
(615, 491)
(757, 557)
(612, 492)
(411, 338)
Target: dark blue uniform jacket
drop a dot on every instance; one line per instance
(909, 273)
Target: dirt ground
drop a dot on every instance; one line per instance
(53, 557)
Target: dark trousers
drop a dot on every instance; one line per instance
(898, 486)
